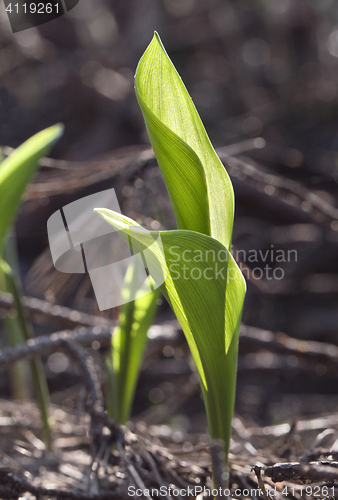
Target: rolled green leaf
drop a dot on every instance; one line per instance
(201, 279)
(128, 342)
(206, 290)
(199, 187)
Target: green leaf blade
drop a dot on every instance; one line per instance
(166, 105)
(17, 170)
(207, 294)
(185, 180)
(129, 341)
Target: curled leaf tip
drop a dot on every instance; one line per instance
(157, 39)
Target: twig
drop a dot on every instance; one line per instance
(65, 341)
(257, 470)
(46, 344)
(149, 459)
(86, 364)
(242, 147)
(280, 342)
(280, 184)
(169, 472)
(300, 426)
(132, 471)
(193, 449)
(75, 175)
(296, 472)
(71, 343)
(69, 317)
(313, 455)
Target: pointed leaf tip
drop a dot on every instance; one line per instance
(157, 38)
(17, 171)
(200, 190)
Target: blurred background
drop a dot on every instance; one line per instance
(264, 78)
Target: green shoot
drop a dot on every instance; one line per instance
(16, 171)
(128, 343)
(209, 302)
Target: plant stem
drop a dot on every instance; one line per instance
(112, 395)
(38, 376)
(220, 468)
(18, 374)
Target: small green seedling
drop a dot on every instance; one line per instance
(16, 171)
(202, 281)
(128, 343)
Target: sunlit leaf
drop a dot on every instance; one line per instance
(17, 170)
(129, 340)
(199, 187)
(206, 290)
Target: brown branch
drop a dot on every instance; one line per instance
(300, 426)
(257, 470)
(77, 175)
(315, 455)
(296, 472)
(280, 184)
(46, 344)
(68, 317)
(254, 338)
(85, 362)
(72, 343)
(131, 470)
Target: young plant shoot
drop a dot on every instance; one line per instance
(128, 343)
(202, 282)
(16, 171)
